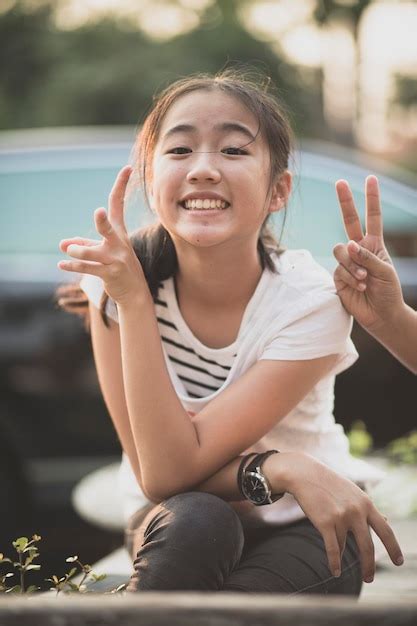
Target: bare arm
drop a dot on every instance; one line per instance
(367, 282)
(399, 336)
(106, 350)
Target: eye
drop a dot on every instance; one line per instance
(234, 151)
(179, 150)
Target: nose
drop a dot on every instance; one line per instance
(204, 167)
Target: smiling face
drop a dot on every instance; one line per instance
(209, 155)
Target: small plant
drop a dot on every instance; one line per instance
(403, 449)
(27, 552)
(360, 441)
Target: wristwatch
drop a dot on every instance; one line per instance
(254, 485)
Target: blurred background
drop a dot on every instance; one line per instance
(77, 78)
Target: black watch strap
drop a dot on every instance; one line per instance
(258, 460)
(241, 468)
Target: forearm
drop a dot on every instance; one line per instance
(399, 336)
(164, 436)
(223, 483)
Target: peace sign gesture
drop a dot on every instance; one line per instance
(365, 278)
(112, 258)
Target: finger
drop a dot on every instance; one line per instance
(117, 197)
(104, 227)
(351, 219)
(81, 267)
(333, 551)
(342, 279)
(384, 531)
(341, 253)
(373, 207)
(88, 253)
(81, 241)
(366, 550)
(363, 257)
(341, 539)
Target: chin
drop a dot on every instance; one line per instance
(200, 239)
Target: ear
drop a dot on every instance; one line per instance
(281, 190)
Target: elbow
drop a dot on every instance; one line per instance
(156, 491)
(159, 495)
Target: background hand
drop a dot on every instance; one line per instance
(365, 278)
(112, 258)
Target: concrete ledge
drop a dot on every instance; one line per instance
(203, 609)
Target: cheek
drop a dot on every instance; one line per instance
(168, 176)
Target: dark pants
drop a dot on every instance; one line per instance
(196, 541)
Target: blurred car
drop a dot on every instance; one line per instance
(54, 426)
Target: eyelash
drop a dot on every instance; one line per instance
(241, 151)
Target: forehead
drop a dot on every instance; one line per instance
(208, 110)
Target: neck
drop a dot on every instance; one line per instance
(217, 281)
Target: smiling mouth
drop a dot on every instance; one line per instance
(205, 204)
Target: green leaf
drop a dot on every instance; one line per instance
(32, 589)
(29, 559)
(71, 573)
(98, 577)
(20, 543)
(32, 567)
(15, 589)
(36, 537)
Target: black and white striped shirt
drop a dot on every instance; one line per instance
(200, 373)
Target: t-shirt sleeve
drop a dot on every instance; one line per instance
(93, 288)
(317, 326)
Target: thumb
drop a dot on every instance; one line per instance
(368, 259)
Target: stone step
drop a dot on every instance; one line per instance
(204, 609)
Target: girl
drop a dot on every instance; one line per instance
(216, 352)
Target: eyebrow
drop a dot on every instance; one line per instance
(223, 127)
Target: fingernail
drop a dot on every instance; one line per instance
(355, 245)
(369, 579)
(400, 560)
(361, 273)
(337, 573)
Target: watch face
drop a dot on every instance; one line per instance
(254, 488)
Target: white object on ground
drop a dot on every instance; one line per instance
(97, 498)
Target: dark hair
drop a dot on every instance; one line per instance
(153, 244)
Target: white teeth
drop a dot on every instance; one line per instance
(205, 203)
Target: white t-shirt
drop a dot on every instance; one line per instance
(292, 315)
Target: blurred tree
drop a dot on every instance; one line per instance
(106, 72)
(26, 52)
(351, 10)
(349, 14)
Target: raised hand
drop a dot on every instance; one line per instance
(365, 278)
(112, 258)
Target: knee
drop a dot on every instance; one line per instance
(200, 514)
